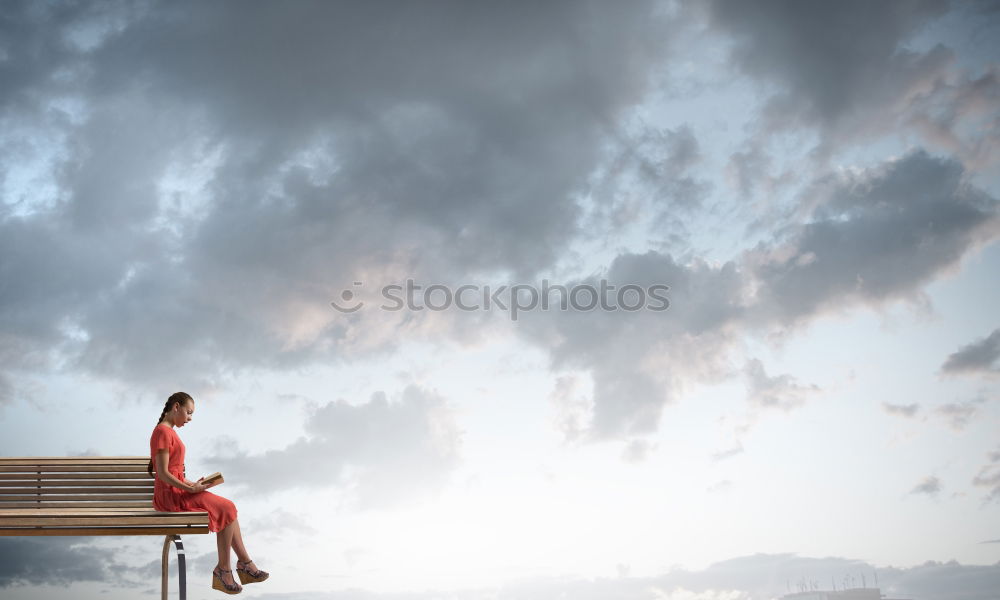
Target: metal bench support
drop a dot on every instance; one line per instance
(181, 569)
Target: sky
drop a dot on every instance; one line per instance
(766, 233)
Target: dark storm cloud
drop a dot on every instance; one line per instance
(52, 561)
(436, 118)
(637, 359)
(841, 66)
(33, 40)
(388, 451)
(872, 237)
(334, 139)
(979, 356)
(835, 75)
(323, 143)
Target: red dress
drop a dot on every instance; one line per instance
(167, 498)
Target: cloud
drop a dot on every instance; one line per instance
(979, 356)
(872, 236)
(720, 486)
(730, 452)
(636, 451)
(901, 410)
(843, 67)
(755, 576)
(254, 180)
(989, 477)
(6, 390)
(277, 524)
(386, 451)
(958, 415)
(779, 391)
(53, 561)
(750, 170)
(646, 182)
(945, 581)
(637, 360)
(572, 407)
(930, 486)
(957, 115)
(742, 578)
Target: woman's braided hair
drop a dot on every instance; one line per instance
(175, 398)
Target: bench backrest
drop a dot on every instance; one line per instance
(90, 495)
(76, 482)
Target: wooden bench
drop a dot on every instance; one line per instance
(91, 495)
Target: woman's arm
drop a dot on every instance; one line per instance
(162, 459)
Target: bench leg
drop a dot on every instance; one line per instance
(181, 570)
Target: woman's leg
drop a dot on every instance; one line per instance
(237, 543)
(224, 541)
(241, 553)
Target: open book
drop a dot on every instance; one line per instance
(213, 478)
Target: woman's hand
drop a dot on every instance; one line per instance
(199, 486)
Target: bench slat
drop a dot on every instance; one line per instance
(65, 483)
(82, 475)
(78, 505)
(96, 463)
(51, 491)
(95, 497)
(89, 531)
(36, 509)
(93, 460)
(97, 518)
(66, 520)
(74, 468)
(61, 512)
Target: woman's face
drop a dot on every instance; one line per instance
(182, 413)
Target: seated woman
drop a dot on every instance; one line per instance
(173, 493)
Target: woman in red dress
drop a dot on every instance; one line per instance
(172, 492)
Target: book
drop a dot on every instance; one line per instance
(212, 479)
